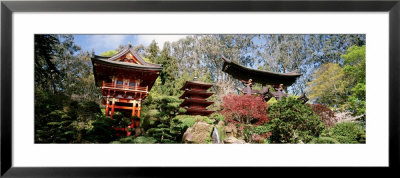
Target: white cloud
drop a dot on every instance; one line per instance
(160, 39)
(106, 41)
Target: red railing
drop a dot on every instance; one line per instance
(113, 86)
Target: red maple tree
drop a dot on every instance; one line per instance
(325, 114)
(249, 109)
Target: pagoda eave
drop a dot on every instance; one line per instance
(192, 83)
(196, 93)
(190, 101)
(258, 76)
(154, 67)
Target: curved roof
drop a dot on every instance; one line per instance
(113, 60)
(202, 102)
(126, 64)
(196, 93)
(188, 84)
(196, 111)
(258, 76)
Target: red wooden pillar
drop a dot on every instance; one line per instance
(138, 114)
(133, 113)
(107, 106)
(112, 107)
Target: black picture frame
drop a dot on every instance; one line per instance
(8, 7)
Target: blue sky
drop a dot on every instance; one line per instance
(102, 43)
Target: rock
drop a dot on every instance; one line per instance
(233, 140)
(230, 130)
(200, 132)
(187, 136)
(221, 124)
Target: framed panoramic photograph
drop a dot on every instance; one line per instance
(136, 88)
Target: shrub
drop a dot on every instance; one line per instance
(257, 134)
(326, 115)
(101, 130)
(186, 121)
(293, 122)
(272, 101)
(126, 140)
(247, 109)
(348, 132)
(324, 140)
(217, 117)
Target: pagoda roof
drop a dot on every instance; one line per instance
(258, 76)
(196, 93)
(127, 62)
(196, 101)
(196, 83)
(138, 63)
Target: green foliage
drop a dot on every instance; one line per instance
(257, 134)
(348, 132)
(137, 140)
(152, 51)
(126, 140)
(166, 130)
(58, 119)
(109, 53)
(272, 101)
(217, 116)
(329, 86)
(144, 140)
(261, 130)
(342, 87)
(62, 68)
(186, 121)
(324, 140)
(163, 110)
(47, 75)
(292, 122)
(354, 68)
(101, 130)
(169, 72)
(162, 106)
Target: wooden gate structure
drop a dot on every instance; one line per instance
(125, 80)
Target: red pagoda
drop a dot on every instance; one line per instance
(195, 96)
(125, 80)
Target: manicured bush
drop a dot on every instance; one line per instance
(101, 130)
(247, 109)
(186, 121)
(348, 132)
(127, 140)
(293, 122)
